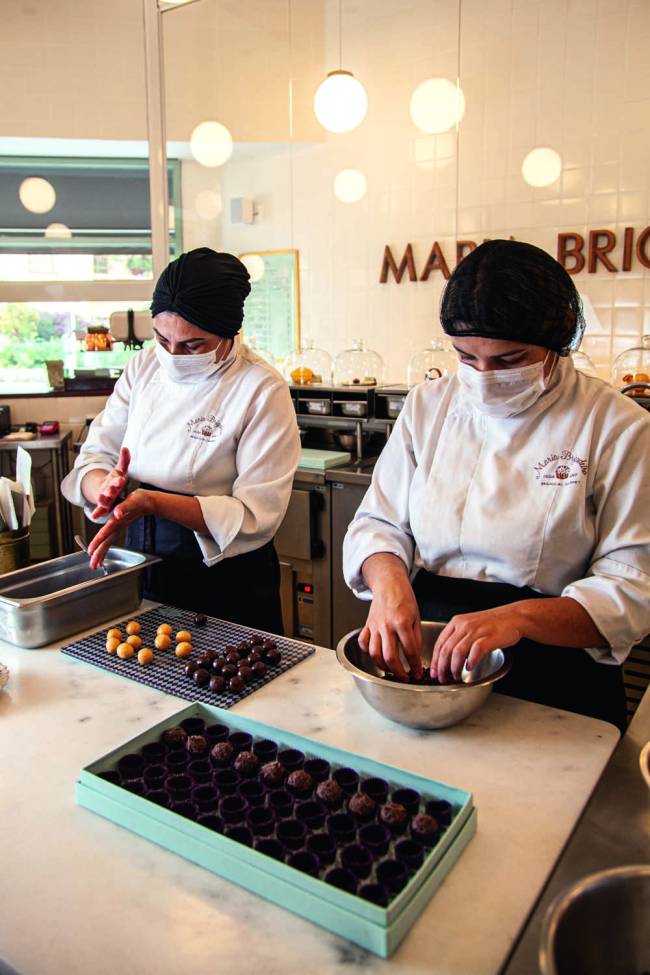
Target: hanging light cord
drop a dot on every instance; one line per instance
(460, 5)
(340, 35)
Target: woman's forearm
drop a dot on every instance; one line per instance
(184, 510)
(383, 570)
(91, 484)
(560, 622)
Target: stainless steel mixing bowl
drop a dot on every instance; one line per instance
(421, 706)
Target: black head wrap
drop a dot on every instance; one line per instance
(507, 289)
(205, 288)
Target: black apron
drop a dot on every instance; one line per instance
(560, 677)
(243, 589)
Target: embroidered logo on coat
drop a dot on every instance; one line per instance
(561, 468)
(204, 427)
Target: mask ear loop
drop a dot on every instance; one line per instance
(547, 379)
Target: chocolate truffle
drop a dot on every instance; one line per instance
(330, 792)
(217, 684)
(424, 828)
(259, 669)
(222, 753)
(218, 664)
(273, 774)
(233, 657)
(268, 644)
(245, 673)
(173, 737)
(257, 640)
(362, 806)
(236, 685)
(204, 661)
(253, 657)
(228, 671)
(190, 669)
(272, 657)
(201, 677)
(246, 763)
(200, 619)
(196, 744)
(300, 783)
(393, 815)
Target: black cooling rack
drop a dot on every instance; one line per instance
(166, 673)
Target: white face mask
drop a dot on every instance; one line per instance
(502, 392)
(194, 368)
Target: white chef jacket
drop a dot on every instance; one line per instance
(556, 498)
(231, 441)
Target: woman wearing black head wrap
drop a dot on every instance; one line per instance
(511, 500)
(208, 432)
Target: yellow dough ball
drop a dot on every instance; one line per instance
(135, 641)
(114, 634)
(133, 627)
(112, 644)
(165, 628)
(183, 636)
(145, 656)
(125, 651)
(162, 641)
(183, 649)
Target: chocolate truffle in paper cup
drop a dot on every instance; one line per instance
(174, 737)
(330, 794)
(273, 775)
(425, 829)
(222, 754)
(362, 807)
(394, 816)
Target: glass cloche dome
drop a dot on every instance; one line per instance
(434, 362)
(358, 366)
(633, 366)
(584, 363)
(308, 366)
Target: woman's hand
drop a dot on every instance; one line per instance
(471, 636)
(137, 504)
(103, 489)
(393, 622)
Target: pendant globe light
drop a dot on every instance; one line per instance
(542, 165)
(340, 102)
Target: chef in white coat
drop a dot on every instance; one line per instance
(195, 451)
(512, 500)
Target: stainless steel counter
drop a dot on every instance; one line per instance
(614, 830)
(358, 472)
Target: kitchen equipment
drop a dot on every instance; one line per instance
(5, 420)
(49, 428)
(631, 370)
(378, 929)
(167, 672)
(389, 402)
(319, 407)
(48, 601)
(14, 550)
(308, 366)
(84, 548)
(599, 926)
(358, 366)
(321, 460)
(422, 706)
(644, 763)
(355, 408)
(435, 361)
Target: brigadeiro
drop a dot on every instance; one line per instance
(196, 744)
(218, 664)
(222, 754)
(217, 684)
(300, 783)
(246, 673)
(190, 669)
(424, 829)
(228, 671)
(201, 677)
(362, 806)
(236, 685)
(257, 640)
(259, 668)
(272, 657)
(200, 619)
(204, 661)
(330, 793)
(174, 737)
(232, 657)
(273, 774)
(246, 764)
(394, 815)
(253, 657)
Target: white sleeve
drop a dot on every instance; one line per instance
(382, 522)
(268, 453)
(616, 588)
(101, 449)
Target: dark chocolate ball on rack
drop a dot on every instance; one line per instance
(197, 745)
(362, 806)
(273, 774)
(201, 677)
(246, 764)
(259, 669)
(228, 671)
(174, 737)
(300, 783)
(236, 685)
(203, 662)
(211, 655)
(253, 657)
(217, 684)
(272, 657)
(200, 619)
(228, 649)
(257, 640)
(246, 673)
(190, 669)
(218, 664)
(244, 648)
(268, 643)
(233, 657)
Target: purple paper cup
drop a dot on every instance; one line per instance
(136, 786)
(216, 732)
(341, 878)
(155, 775)
(409, 853)
(200, 770)
(392, 874)
(281, 802)
(177, 759)
(323, 846)
(341, 827)
(233, 809)
(408, 798)
(376, 788)
(241, 834)
(270, 848)
(131, 766)
(184, 808)
(225, 781)
(310, 813)
(292, 759)
(375, 893)
(266, 750)
(153, 752)
(357, 859)
(211, 821)
(260, 821)
(112, 776)
(376, 838)
(304, 861)
(318, 768)
(241, 741)
(193, 726)
(440, 809)
(347, 778)
(179, 786)
(253, 792)
(291, 833)
(205, 797)
(159, 796)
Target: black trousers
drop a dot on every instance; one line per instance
(560, 677)
(243, 589)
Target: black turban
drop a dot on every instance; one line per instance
(507, 289)
(205, 288)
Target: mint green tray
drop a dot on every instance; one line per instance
(377, 929)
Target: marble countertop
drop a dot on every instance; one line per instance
(80, 895)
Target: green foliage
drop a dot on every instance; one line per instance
(28, 338)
